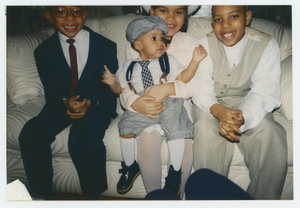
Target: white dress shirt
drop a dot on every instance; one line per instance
(264, 95)
(82, 40)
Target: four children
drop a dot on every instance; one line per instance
(237, 88)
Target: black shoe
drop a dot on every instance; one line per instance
(129, 174)
(173, 180)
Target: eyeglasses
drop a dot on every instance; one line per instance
(63, 11)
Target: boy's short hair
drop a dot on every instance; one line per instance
(140, 26)
(245, 7)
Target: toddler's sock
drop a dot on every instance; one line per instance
(128, 150)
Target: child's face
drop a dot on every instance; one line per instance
(172, 15)
(151, 45)
(229, 23)
(69, 25)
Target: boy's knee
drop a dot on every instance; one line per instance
(128, 136)
(28, 131)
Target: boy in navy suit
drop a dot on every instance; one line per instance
(71, 74)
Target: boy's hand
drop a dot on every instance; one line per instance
(107, 77)
(230, 127)
(227, 123)
(199, 53)
(238, 115)
(72, 104)
(80, 113)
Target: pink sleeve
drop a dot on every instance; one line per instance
(127, 98)
(183, 90)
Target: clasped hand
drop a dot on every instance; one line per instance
(77, 109)
(229, 121)
(229, 125)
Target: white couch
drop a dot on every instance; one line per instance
(25, 99)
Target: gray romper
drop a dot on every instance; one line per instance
(173, 120)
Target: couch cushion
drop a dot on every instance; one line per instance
(282, 34)
(286, 87)
(114, 29)
(23, 82)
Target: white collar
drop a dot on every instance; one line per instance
(234, 53)
(240, 45)
(78, 38)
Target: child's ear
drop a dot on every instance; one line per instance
(151, 11)
(137, 45)
(84, 15)
(248, 17)
(48, 16)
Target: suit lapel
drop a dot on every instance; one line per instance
(61, 67)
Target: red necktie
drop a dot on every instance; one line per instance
(73, 60)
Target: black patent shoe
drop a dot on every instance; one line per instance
(129, 174)
(173, 180)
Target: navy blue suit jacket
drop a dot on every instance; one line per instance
(55, 74)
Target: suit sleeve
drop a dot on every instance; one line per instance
(52, 86)
(109, 58)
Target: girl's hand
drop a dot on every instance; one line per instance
(147, 106)
(107, 77)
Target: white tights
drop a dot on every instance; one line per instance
(149, 159)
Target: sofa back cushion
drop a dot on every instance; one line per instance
(114, 29)
(23, 82)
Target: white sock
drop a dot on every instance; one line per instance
(176, 150)
(128, 150)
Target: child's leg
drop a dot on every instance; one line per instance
(35, 143)
(187, 163)
(148, 153)
(265, 152)
(176, 151)
(211, 150)
(128, 148)
(130, 168)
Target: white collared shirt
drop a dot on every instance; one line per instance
(261, 99)
(81, 43)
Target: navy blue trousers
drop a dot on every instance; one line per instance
(204, 184)
(85, 145)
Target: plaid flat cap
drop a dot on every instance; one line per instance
(140, 26)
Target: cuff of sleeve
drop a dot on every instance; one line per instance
(183, 90)
(246, 116)
(127, 103)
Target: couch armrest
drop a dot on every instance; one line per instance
(286, 88)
